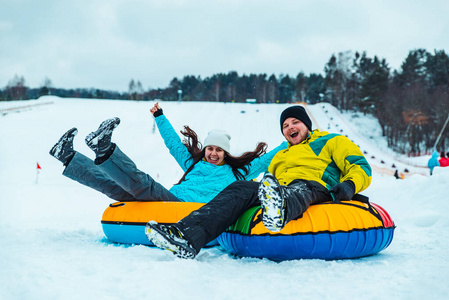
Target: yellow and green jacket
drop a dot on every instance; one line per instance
(325, 158)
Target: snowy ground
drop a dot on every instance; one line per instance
(52, 245)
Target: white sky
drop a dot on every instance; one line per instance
(105, 44)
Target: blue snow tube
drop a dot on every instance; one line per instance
(349, 229)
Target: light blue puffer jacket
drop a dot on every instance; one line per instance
(433, 161)
(205, 180)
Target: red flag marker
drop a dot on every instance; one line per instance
(38, 167)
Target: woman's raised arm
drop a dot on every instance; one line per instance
(171, 139)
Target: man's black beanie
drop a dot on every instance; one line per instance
(297, 112)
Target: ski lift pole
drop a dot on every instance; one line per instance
(441, 133)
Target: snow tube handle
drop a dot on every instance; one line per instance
(365, 199)
(361, 198)
(117, 204)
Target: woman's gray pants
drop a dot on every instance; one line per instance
(117, 177)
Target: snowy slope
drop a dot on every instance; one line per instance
(52, 245)
(365, 131)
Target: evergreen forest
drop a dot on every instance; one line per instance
(411, 103)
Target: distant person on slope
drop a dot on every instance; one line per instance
(433, 162)
(316, 167)
(207, 170)
(444, 160)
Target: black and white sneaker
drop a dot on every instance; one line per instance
(63, 149)
(273, 203)
(171, 238)
(100, 140)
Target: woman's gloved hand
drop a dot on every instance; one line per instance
(156, 110)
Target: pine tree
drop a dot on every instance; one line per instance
(300, 87)
(315, 88)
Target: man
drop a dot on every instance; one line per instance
(316, 167)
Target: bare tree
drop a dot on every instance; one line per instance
(132, 90)
(16, 89)
(45, 87)
(139, 91)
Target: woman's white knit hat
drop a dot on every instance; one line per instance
(219, 138)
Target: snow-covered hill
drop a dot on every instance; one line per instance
(365, 131)
(52, 245)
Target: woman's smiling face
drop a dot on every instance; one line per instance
(214, 155)
(294, 131)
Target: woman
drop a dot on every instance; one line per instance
(207, 170)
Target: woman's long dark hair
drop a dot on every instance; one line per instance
(237, 164)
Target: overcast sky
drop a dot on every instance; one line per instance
(105, 44)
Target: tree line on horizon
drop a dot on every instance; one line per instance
(411, 104)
